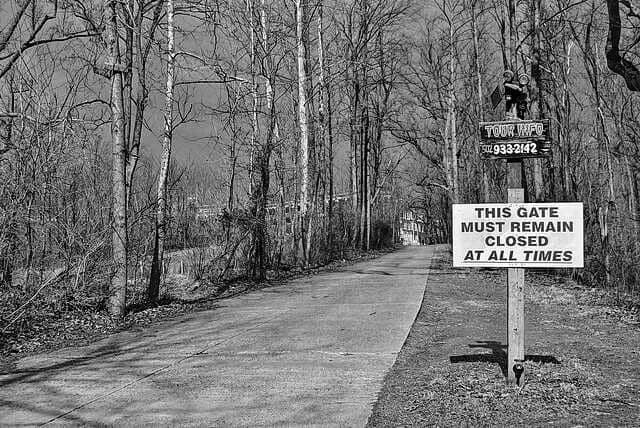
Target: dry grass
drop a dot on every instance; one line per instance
(582, 365)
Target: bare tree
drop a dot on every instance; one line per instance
(303, 119)
(161, 211)
(118, 290)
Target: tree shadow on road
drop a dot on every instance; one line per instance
(54, 387)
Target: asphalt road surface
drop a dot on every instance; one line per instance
(310, 352)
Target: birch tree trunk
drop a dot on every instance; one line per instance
(325, 125)
(158, 253)
(118, 288)
(303, 120)
(451, 106)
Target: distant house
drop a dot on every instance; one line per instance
(413, 229)
(206, 212)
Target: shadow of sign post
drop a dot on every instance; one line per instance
(497, 356)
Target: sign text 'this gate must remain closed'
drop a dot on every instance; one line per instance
(518, 235)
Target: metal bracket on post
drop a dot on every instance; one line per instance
(518, 370)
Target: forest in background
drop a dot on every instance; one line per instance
(323, 121)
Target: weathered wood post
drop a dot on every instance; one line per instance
(515, 107)
(515, 288)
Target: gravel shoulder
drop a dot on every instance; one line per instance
(582, 356)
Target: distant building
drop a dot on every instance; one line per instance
(412, 229)
(206, 212)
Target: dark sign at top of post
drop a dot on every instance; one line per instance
(515, 130)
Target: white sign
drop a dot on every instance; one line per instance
(518, 235)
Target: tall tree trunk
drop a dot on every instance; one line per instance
(312, 151)
(158, 253)
(129, 28)
(352, 79)
(303, 120)
(364, 166)
(593, 72)
(537, 103)
(232, 97)
(142, 92)
(451, 106)
(476, 62)
(353, 152)
(254, 92)
(364, 127)
(263, 156)
(364, 171)
(118, 289)
(384, 90)
(513, 55)
(330, 167)
(504, 44)
(324, 111)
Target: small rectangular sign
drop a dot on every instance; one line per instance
(515, 149)
(518, 235)
(515, 130)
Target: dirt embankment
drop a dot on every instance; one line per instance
(582, 357)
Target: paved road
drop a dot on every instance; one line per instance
(311, 352)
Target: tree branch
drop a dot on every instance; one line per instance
(28, 43)
(616, 63)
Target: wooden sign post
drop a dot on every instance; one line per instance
(512, 235)
(515, 289)
(516, 104)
